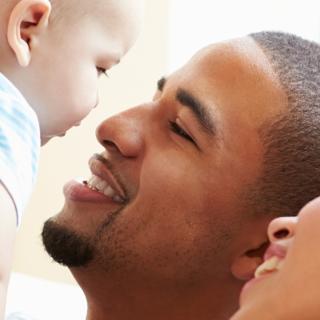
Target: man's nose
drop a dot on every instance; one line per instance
(282, 228)
(123, 133)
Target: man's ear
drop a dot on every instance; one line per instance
(27, 21)
(244, 265)
(251, 246)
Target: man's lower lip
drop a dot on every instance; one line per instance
(78, 191)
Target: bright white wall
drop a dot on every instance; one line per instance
(196, 23)
(38, 299)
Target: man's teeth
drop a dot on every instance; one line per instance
(268, 266)
(100, 185)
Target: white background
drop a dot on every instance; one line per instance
(195, 23)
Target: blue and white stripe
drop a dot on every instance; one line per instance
(19, 145)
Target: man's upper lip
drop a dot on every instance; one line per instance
(99, 168)
(275, 250)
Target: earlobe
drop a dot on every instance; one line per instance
(27, 21)
(244, 266)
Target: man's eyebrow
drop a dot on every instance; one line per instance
(200, 111)
(188, 100)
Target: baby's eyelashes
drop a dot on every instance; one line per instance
(102, 71)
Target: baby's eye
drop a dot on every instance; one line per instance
(102, 71)
(179, 131)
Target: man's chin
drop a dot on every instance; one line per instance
(66, 246)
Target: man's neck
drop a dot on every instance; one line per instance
(109, 299)
(159, 305)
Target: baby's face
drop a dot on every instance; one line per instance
(67, 65)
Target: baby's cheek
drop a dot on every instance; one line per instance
(79, 110)
(86, 101)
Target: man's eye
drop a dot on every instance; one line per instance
(179, 131)
(102, 71)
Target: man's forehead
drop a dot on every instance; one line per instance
(224, 63)
(236, 75)
(236, 55)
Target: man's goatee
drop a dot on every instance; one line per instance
(65, 246)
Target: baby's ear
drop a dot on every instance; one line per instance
(27, 21)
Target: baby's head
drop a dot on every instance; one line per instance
(57, 49)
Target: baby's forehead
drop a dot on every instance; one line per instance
(119, 21)
(83, 8)
(77, 10)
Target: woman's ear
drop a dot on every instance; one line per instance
(28, 20)
(244, 265)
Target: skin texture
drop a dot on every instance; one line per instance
(56, 62)
(178, 247)
(298, 277)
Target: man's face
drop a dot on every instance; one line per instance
(183, 164)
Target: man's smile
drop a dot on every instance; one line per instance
(103, 181)
(102, 187)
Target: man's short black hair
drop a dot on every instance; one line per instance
(291, 175)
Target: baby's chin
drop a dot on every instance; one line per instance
(46, 139)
